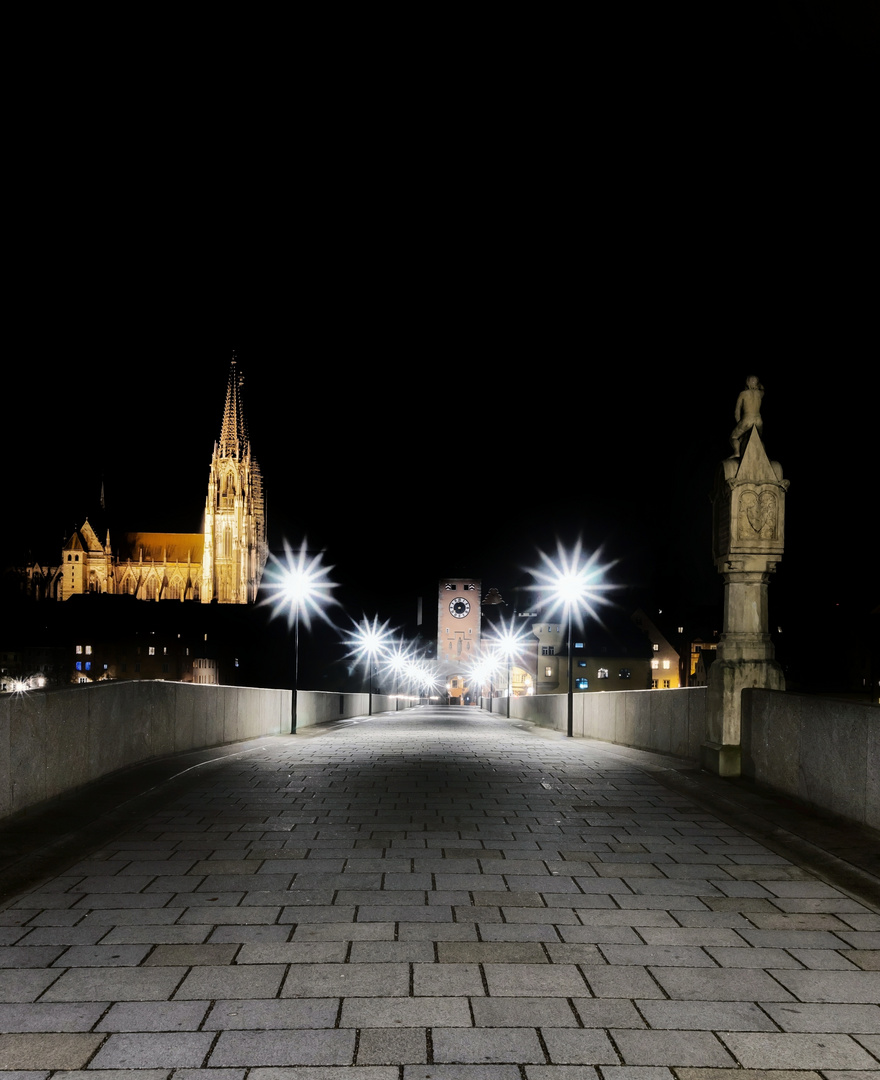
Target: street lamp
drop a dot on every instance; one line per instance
(369, 640)
(508, 643)
(425, 679)
(298, 585)
(398, 660)
(573, 582)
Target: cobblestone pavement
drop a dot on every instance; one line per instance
(435, 895)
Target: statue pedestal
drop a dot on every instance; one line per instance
(749, 514)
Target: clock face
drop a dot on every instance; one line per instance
(459, 608)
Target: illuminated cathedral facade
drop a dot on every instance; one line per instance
(223, 564)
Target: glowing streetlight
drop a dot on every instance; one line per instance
(370, 640)
(298, 585)
(508, 643)
(573, 582)
(398, 659)
(425, 678)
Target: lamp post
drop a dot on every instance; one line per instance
(398, 661)
(572, 581)
(508, 643)
(298, 584)
(369, 640)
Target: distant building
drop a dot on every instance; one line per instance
(459, 626)
(224, 563)
(604, 658)
(665, 663)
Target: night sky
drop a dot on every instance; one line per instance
(469, 332)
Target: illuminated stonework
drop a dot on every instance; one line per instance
(458, 633)
(235, 548)
(223, 564)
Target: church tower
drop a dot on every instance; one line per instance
(235, 517)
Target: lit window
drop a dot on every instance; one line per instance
(583, 684)
(656, 647)
(578, 644)
(548, 671)
(602, 673)
(582, 663)
(152, 650)
(666, 664)
(79, 666)
(88, 650)
(79, 649)
(655, 664)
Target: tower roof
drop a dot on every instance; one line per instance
(234, 441)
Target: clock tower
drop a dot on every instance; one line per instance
(458, 632)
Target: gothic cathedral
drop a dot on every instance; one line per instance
(235, 515)
(223, 564)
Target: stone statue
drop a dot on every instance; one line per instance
(748, 412)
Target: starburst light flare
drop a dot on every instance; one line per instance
(573, 581)
(369, 640)
(299, 585)
(507, 641)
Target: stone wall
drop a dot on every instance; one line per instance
(666, 721)
(822, 751)
(55, 741)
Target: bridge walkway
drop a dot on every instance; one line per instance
(436, 894)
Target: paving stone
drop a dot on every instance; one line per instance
(115, 984)
(24, 956)
(47, 1016)
(672, 1048)
(296, 952)
(574, 1046)
(470, 1071)
(519, 1045)
(706, 1015)
(246, 981)
(284, 1048)
(257, 1014)
(523, 1012)
(490, 952)
(102, 956)
(849, 1019)
(801, 1051)
(447, 980)
(392, 1046)
(153, 1050)
(47, 1050)
(722, 984)
(534, 980)
(154, 1016)
(363, 1012)
(831, 986)
(748, 1074)
(25, 985)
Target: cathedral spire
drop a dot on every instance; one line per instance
(234, 441)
